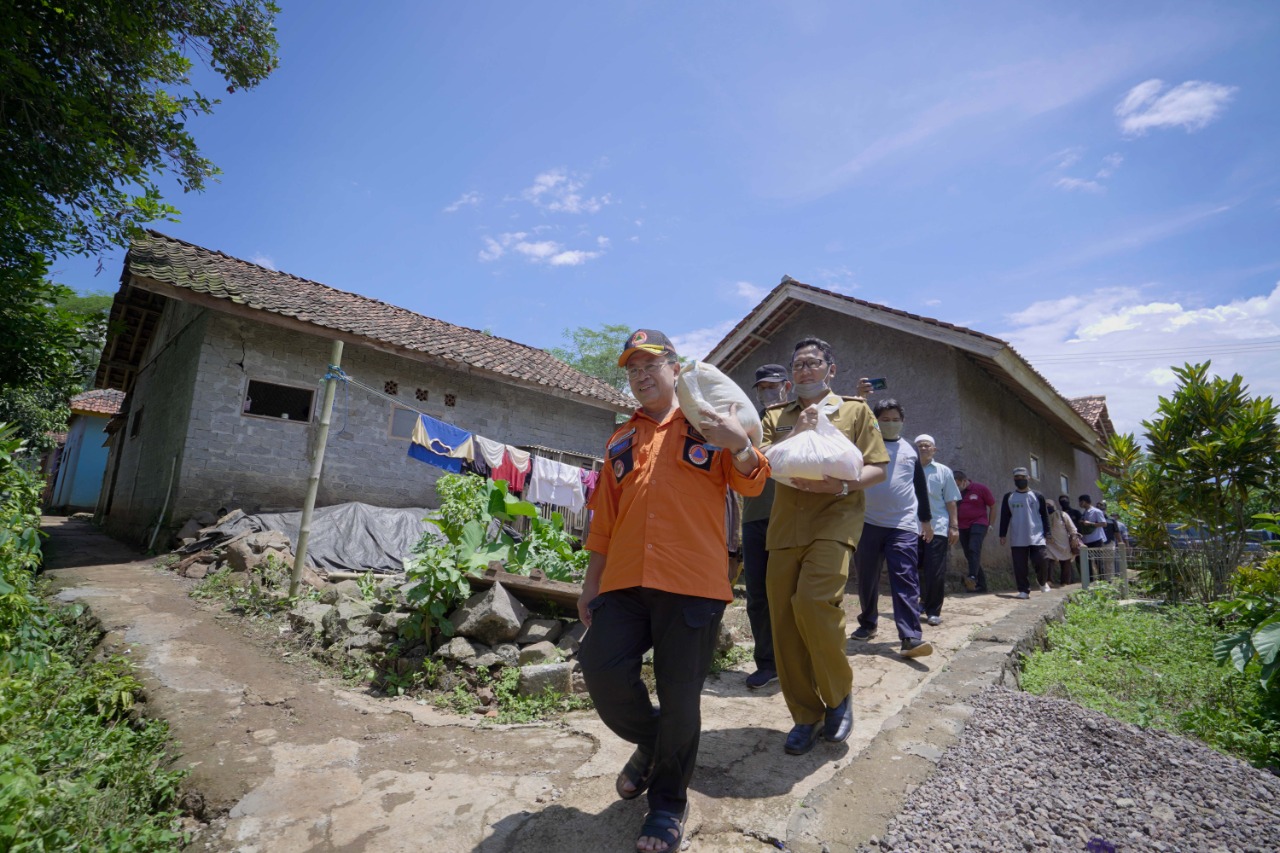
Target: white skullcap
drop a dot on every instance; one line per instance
(924, 436)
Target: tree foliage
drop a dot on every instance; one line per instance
(595, 352)
(1211, 459)
(95, 96)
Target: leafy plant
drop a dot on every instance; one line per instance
(1254, 611)
(23, 624)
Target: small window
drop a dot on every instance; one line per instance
(391, 387)
(451, 399)
(1064, 485)
(1035, 467)
(402, 422)
(422, 394)
(136, 424)
(268, 400)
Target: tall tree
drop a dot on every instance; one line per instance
(595, 352)
(95, 96)
(94, 100)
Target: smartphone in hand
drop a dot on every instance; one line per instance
(879, 384)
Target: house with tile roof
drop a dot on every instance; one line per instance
(222, 361)
(77, 465)
(987, 408)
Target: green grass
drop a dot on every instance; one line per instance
(1153, 666)
(78, 770)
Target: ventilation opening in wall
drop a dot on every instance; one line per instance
(392, 388)
(422, 394)
(267, 400)
(451, 399)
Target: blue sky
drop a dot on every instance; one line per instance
(1096, 183)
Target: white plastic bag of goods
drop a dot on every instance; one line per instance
(702, 386)
(823, 451)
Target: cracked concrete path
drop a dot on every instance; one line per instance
(283, 761)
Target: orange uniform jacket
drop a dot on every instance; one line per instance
(659, 514)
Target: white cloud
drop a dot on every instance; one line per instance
(263, 261)
(1109, 165)
(1074, 184)
(1068, 157)
(558, 191)
(536, 251)
(1119, 342)
(752, 293)
(571, 258)
(1193, 105)
(602, 242)
(469, 199)
(698, 342)
(933, 302)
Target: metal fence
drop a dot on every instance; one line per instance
(1172, 574)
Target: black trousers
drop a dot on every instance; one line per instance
(755, 564)
(682, 631)
(1038, 555)
(933, 573)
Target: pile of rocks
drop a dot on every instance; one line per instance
(491, 629)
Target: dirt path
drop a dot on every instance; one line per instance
(283, 761)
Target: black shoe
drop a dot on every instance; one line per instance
(913, 647)
(839, 721)
(863, 633)
(760, 678)
(802, 738)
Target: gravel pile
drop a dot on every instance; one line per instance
(1034, 773)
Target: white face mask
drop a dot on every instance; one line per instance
(891, 430)
(771, 396)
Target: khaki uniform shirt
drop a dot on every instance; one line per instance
(799, 518)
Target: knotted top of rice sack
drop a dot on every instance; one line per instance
(702, 386)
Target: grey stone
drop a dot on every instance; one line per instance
(462, 650)
(309, 616)
(204, 518)
(349, 590)
(493, 616)
(542, 652)
(346, 617)
(240, 557)
(724, 641)
(392, 620)
(190, 530)
(508, 653)
(269, 539)
(572, 638)
(368, 641)
(539, 630)
(537, 678)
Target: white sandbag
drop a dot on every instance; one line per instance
(702, 386)
(823, 451)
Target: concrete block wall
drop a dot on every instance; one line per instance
(978, 424)
(163, 394)
(236, 460)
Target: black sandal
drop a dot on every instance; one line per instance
(638, 771)
(662, 825)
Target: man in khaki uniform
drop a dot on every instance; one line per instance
(813, 529)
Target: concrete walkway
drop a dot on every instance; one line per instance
(284, 761)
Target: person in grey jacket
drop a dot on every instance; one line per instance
(1024, 523)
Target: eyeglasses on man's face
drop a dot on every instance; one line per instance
(650, 369)
(807, 364)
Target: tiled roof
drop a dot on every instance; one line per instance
(774, 311)
(1094, 410)
(102, 402)
(184, 265)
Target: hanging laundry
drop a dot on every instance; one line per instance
(556, 483)
(434, 440)
(465, 451)
(589, 479)
(512, 469)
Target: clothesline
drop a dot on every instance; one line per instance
(454, 449)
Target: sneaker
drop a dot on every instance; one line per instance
(760, 678)
(1046, 588)
(971, 584)
(913, 648)
(1024, 595)
(935, 620)
(863, 633)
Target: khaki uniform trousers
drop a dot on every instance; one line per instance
(806, 588)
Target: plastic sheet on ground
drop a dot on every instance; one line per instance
(350, 537)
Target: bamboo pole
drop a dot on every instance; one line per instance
(317, 465)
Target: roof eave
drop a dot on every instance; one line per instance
(247, 312)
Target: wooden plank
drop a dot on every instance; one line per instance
(534, 588)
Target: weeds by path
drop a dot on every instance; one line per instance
(1154, 666)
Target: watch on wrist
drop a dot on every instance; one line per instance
(844, 488)
(744, 454)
